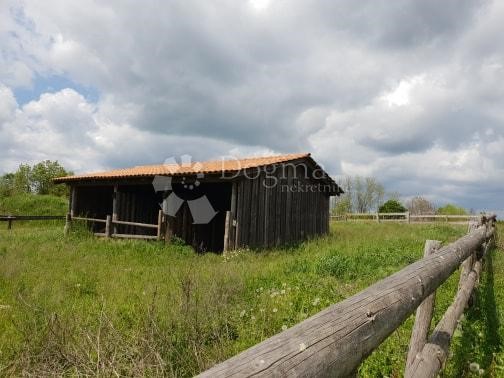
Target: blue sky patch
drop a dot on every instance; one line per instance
(52, 84)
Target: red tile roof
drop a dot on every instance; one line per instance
(205, 167)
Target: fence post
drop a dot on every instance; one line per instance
(227, 229)
(408, 217)
(68, 221)
(108, 226)
(423, 315)
(160, 225)
(9, 223)
(378, 217)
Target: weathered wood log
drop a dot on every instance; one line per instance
(136, 224)
(335, 341)
(430, 361)
(423, 315)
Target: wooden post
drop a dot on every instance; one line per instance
(227, 228)
(73, 202)
(232, 235)
(466, 266)
(114, 207)
(108, 226)
(9, 223)
(408, 219)
(160, 225)
(378, 217)
(68, 222)
(434, 353)
(423, 315)
(169, 232)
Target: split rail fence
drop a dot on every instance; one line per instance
(405, 218)
(111, 231)
(336, 340)
(10, 219)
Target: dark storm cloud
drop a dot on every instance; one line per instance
(370, 87)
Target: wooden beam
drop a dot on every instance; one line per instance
(108, 226)
(423, 315)
(335, 341)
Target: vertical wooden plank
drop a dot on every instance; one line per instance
(288, 204)
(73, 201)
(238, 214)
(261, 210)
(108, 226)
(265, 186)
(114, 207)
(254, 203)
(169, 232)
(278, 209)
(232, 234)
(227, 230)
(246, 208)
(160, 225)
(423, 315)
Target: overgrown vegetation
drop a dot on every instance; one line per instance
(36, 179)
(86, 306)
(29, 204)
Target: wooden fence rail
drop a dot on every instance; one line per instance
(111, 231)
(334, 341)
(10, 219)
(404, 217)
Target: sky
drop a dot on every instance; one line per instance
(409, 92)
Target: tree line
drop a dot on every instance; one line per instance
(367, 194)
(35, 179)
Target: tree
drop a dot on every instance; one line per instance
(42, 176)
(22, 179)
(37, 179)
(6, 185)
(420, 206)
(392, 206)
(362, 194)
(451, 209)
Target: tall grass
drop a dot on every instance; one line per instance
(80, 305)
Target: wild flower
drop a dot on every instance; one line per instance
(282, 292)
(242, 314)
(275, 310)
(284, 327)
(316, 301)
(474, 367)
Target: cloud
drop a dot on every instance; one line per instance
(406, 91)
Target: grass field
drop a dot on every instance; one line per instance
(81, 305)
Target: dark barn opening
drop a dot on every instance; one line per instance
(190, 225)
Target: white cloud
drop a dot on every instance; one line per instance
(416, 103)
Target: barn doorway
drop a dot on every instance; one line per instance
(204, 235)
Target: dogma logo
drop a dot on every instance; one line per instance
(186, 188)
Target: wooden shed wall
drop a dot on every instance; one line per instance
(271, 215)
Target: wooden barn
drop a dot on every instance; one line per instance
(213, 205)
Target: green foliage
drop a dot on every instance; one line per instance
(31, 204)
(392, 206)
(451, 209)
(37, 179)
(79, 305)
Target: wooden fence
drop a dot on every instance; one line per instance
(405, 217)
(10, 219)
(336, 340)
(111, 231)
